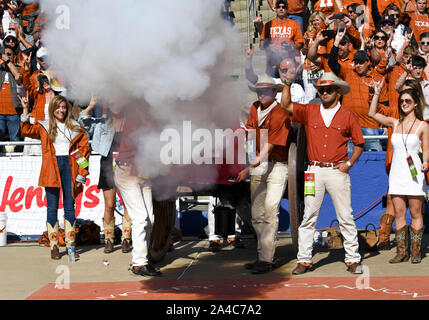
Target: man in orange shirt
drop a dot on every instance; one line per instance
(268, 178)
(328, 127)
(281, 29)
(362, 80)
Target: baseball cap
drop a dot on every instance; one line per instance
(361, 56)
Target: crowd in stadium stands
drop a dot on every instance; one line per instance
(351, 54)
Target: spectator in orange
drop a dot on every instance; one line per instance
(329, 7)
(10, 105)
(281, 29)
(361, 80)
(296, 10)
(419, 19)
(424, 50)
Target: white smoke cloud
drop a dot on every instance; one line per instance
(172, 55)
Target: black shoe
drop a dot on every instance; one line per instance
(214, 246)
(238, 243)
(262, 267)
(251, 265)
(146, 270)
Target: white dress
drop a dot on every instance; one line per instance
(400, 180)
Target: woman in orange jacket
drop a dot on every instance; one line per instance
(65, 153)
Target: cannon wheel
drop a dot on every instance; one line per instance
(165, 217)
(296, 167)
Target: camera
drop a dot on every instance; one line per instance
(328, 33)
(338, 16)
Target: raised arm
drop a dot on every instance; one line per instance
(286, 102)
(382, 119)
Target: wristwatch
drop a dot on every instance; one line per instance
(349, 164)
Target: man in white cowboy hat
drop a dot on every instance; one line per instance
(328, 126)
(268, 178)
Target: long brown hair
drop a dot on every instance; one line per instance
(53, 105)
(418, 110)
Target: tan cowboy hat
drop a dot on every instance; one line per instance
(330, 79)
(265, 82)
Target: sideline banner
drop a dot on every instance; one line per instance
(24, 201)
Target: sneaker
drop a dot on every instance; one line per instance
(146, 270)
(214, 246)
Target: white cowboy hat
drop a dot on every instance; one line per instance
(330, 79)
(265, 82)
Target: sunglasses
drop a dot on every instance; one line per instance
(281, 6)
(351, 12)
(380, 38)
(8, 54)
(284, 70)
(328, 90)
(390, 24)
(264, 92)
(424, 43)
(394, 15)
(359, 61)
(407, 101)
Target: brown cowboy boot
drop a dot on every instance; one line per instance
(416, 244)
(386, 222)
(126, 235)
(109, 235)
(53, 232)
(401, 245)
(70, 231)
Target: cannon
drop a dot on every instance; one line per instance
(236, 193)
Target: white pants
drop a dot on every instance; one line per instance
(338, 186)
(266, 194)
(137, 196)
(211, 221)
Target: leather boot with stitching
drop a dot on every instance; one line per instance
(302, 268)
(416, 244)
(401, 245)
(386, 222)
(53, 232)
(109, 235)
(126, 235)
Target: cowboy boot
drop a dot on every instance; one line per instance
(53, 232)
(126, 235)
(386, 222)
(70, 231)
(401, 245)
(109, 235)
(416, 244)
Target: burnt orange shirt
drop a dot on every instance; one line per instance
(328, 144)
(295, 6)
(6, 103)
(327, 7)
(278, 31)
(360, 95)
(419, 24)
(278, 125)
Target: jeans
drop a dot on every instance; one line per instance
(298, 18)
(53, 194)
(370, 144)
(11, 122)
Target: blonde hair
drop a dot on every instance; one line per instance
(53, 105)
(311, 28)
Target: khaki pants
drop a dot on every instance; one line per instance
(137, 196)
(266, 193)
(337, 185)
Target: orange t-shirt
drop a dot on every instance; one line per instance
(295, 6)
(278, 31)
(419, 23)
(328, 144)
(360, 96)
(6, 102)
(278, 125)
(327, 7)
